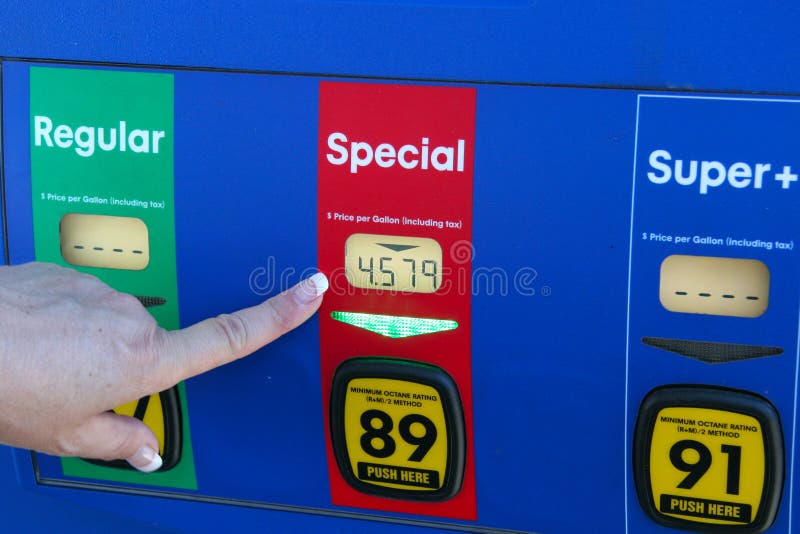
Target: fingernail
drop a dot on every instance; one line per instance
(311, 288)
(146, 460)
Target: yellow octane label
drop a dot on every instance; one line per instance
(396, 434)
(707, 465)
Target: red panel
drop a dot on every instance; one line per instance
(398, 115)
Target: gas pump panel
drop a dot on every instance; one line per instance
(394, 208)
(563, 294)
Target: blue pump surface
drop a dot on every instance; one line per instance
(571, 205)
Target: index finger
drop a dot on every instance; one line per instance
(181, 354)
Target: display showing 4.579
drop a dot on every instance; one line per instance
(393, 263)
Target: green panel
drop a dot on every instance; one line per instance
(65, 182)
(102, 143)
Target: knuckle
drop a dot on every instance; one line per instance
(66, 444)
(83, 441)
(124, 447)
(162, 369)
(79, 280)
(141, 352)
(279, 316)
(128, 305)
(46, 267)
(233, 330)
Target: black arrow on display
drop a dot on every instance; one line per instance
(397, 248)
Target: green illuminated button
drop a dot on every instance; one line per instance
(397, 429)
(394, 326)
(708, 458)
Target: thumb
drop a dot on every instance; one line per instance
(110, 436)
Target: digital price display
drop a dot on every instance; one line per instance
(104, 241)
(393, 263)
(731, 287)
(709, 459)
(397, 429)
(161, 412)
